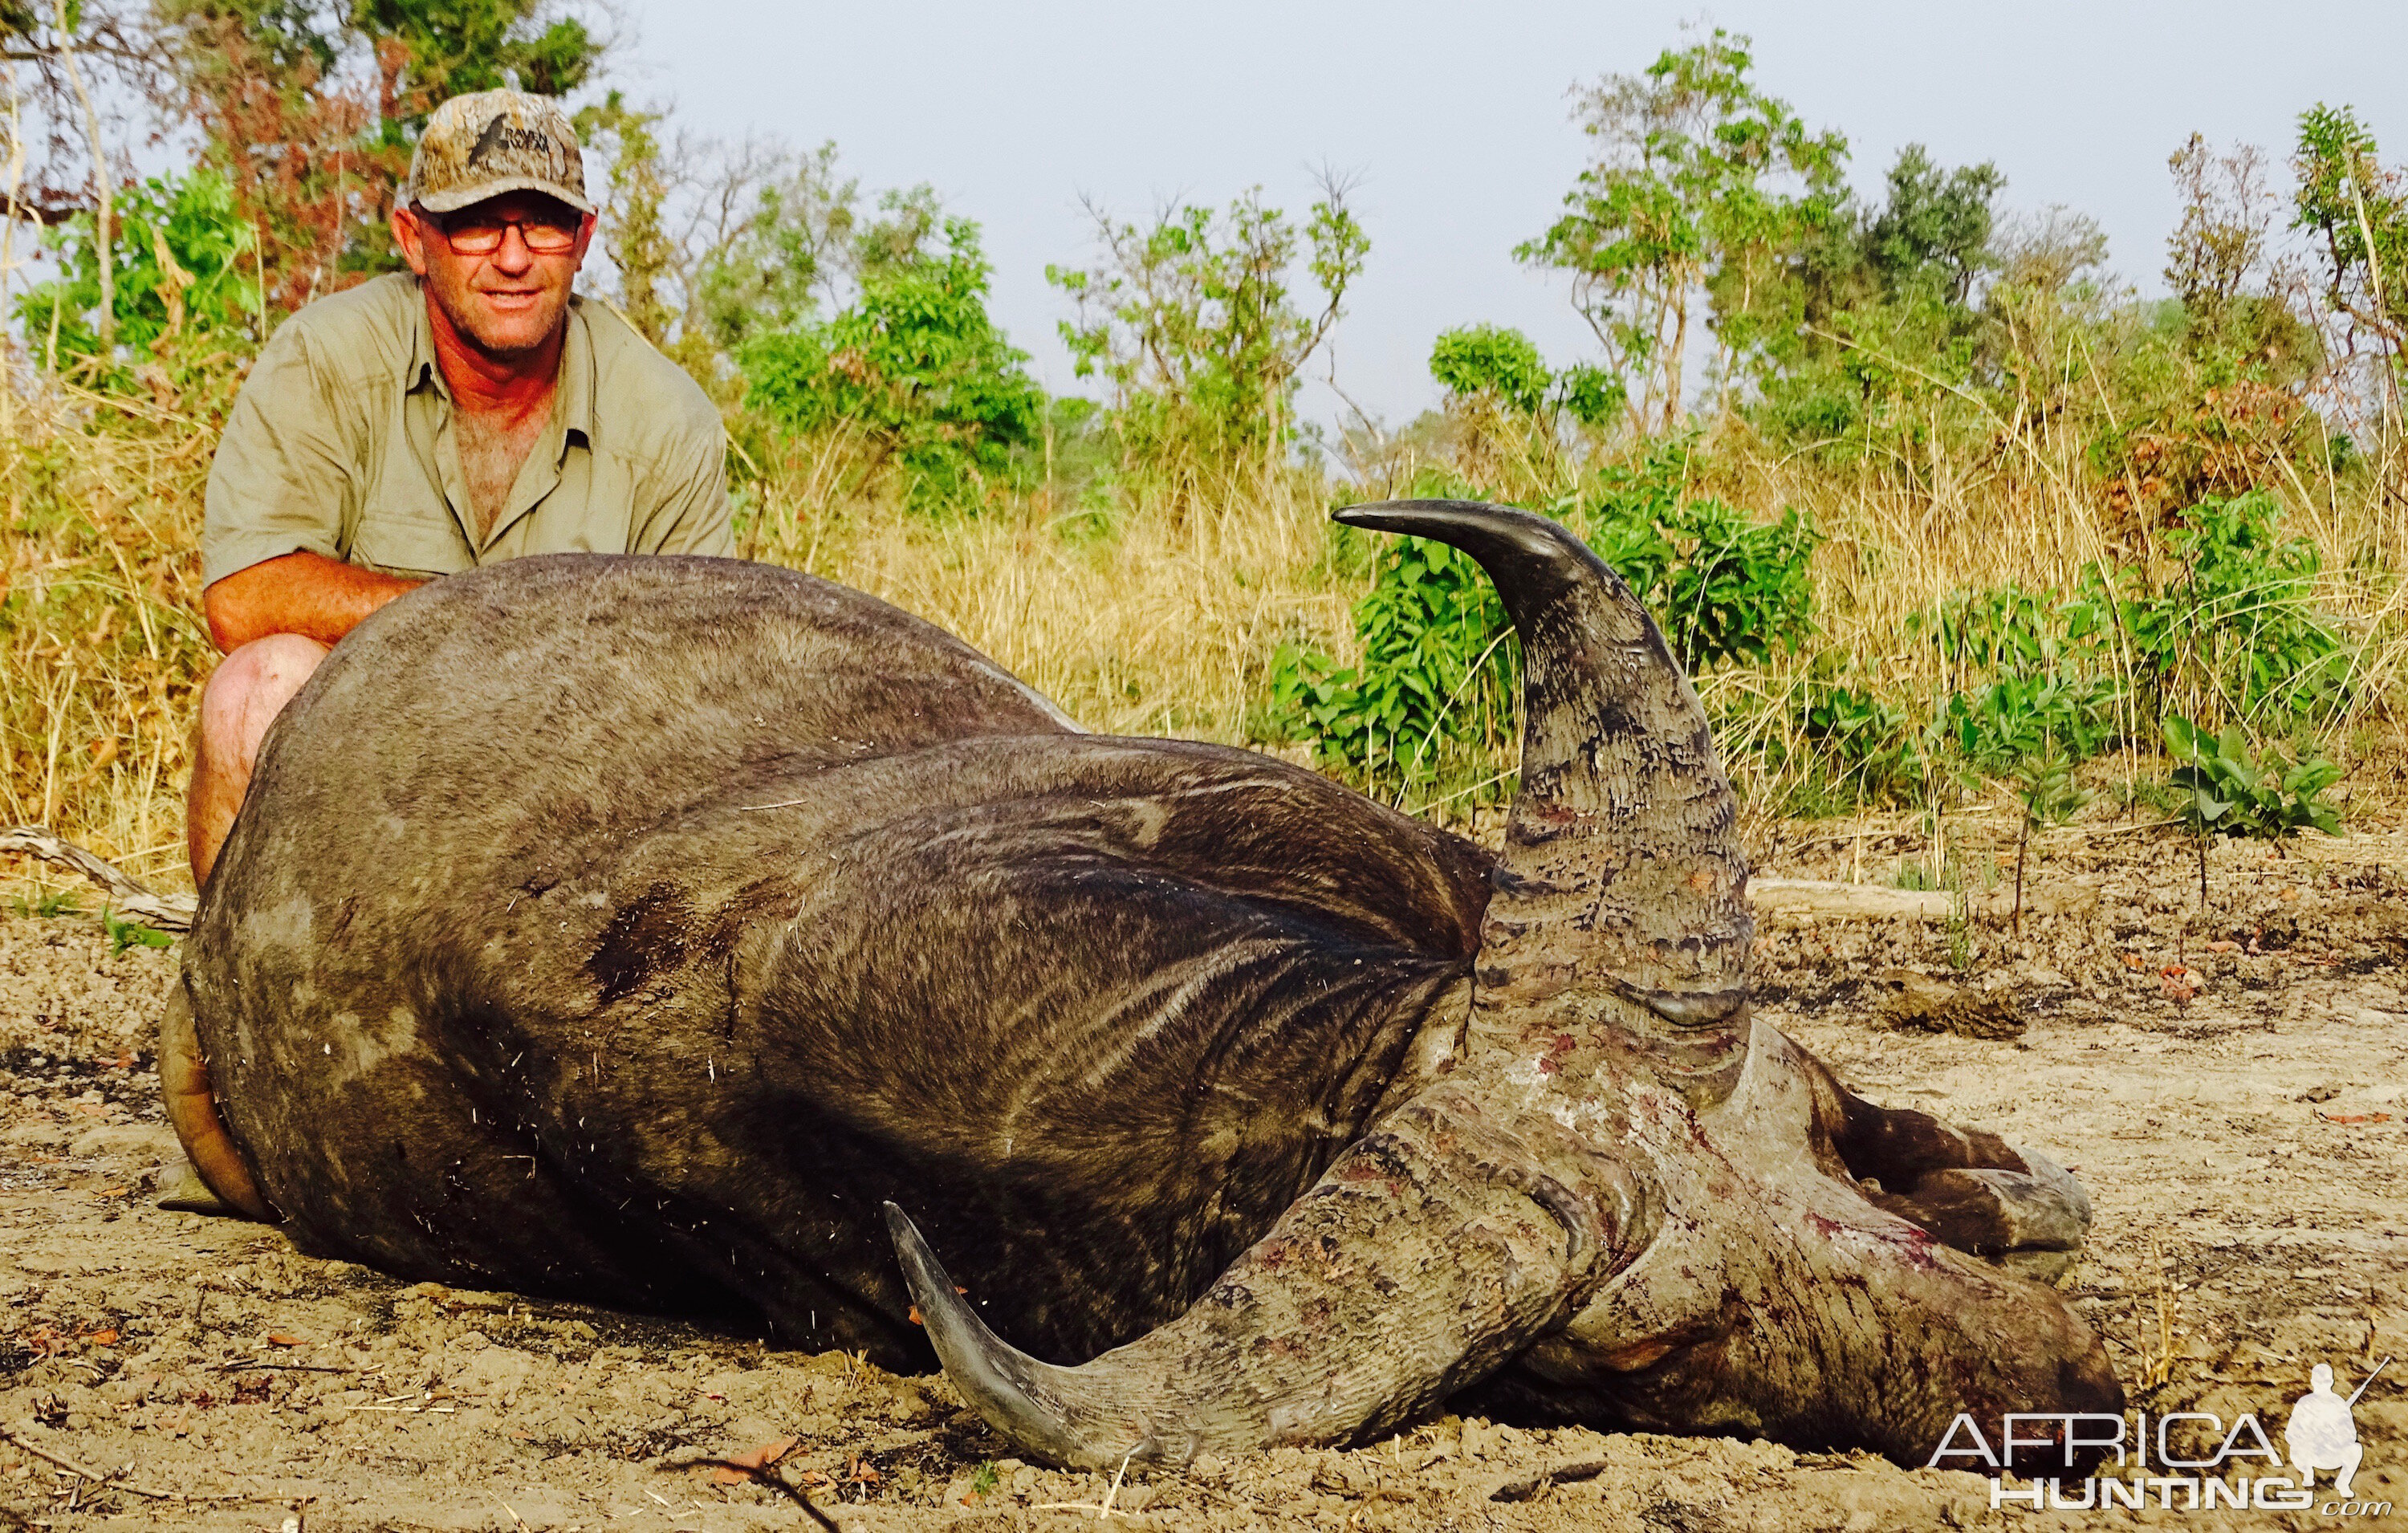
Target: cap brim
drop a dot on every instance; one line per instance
(457, 198)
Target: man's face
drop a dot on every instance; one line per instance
(503, 297)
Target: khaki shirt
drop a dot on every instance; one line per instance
(341, 444)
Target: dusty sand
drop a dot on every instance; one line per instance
(2243, 1146)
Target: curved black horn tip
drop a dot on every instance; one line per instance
(1529, 557)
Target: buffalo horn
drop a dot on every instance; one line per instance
(1453, 1242)
(1622, 884)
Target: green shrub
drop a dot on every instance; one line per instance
(1492, 360)
(2238, 627)
(918, 366)
(182, 272)
(2222, 787)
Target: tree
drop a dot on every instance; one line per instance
(2357, 211)
(914, 363)
(1934, 232)
(1192, 320)
(1698, 179)
(632, 234)
(1493, 362)
(311, 107)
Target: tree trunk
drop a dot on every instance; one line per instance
(106, 215)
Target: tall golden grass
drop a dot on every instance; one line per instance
(1159, 617)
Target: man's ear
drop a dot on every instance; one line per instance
(585, 227)
(412, 240)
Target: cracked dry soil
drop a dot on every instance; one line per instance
(2230, 1081)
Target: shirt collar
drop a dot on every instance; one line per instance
(573, 407)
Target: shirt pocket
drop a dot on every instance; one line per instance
(410, 546)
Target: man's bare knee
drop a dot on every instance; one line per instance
(245, 693)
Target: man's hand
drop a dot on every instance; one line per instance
(304, 593)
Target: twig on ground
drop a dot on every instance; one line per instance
(764, 1475)
(21, 1441)
(129, 896)
(1102, 1510)
(1524, 1487)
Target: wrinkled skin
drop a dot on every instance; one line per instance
(667, 932)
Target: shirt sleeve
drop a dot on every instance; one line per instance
(282, 468)
(690, 513)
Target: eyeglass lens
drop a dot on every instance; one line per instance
(478, 235)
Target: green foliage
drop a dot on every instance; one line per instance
(2358, 214)
(2224, 788)
(2033, 678)
(58, 902)
(1865, 751)
(632, 234)
(1491, 360)
(1700, 180)
(1724, 588)
(2237, 625)
(798, 235)
(1440, 670)
(1192, 321)
(179, 264)
(123, 934)
(1883, 300)
(917, 365)
(455, 46)
(1933, 235)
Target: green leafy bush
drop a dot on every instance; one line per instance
(1441, 669)
(2222, 787)
(1723, 587)
(2238, 626)
(1487, 360)
(180, 272)
(918, 366)
(1477, 359)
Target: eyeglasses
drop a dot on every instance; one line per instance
(473, 233)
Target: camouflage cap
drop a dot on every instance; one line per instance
(483, 145)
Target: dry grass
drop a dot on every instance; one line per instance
(101, 646)
(1160, 618)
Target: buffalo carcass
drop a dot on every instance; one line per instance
(671, 932)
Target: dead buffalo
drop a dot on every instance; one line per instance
(655, 931)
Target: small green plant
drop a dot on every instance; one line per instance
(983, 1481)
(2222, 787)
(2229, 789)
(2048, 795)
(45, 907)
(1441, 669)
(2238, 627)
(124, 933)
(1865, 750)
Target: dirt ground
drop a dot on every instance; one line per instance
(2230, 1081)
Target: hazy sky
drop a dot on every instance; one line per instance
(1453, 118)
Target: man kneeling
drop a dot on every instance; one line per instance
(420, 425)
(415, 426)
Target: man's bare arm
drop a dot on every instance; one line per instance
(306, 593)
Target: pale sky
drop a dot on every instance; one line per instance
(1453, 120)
